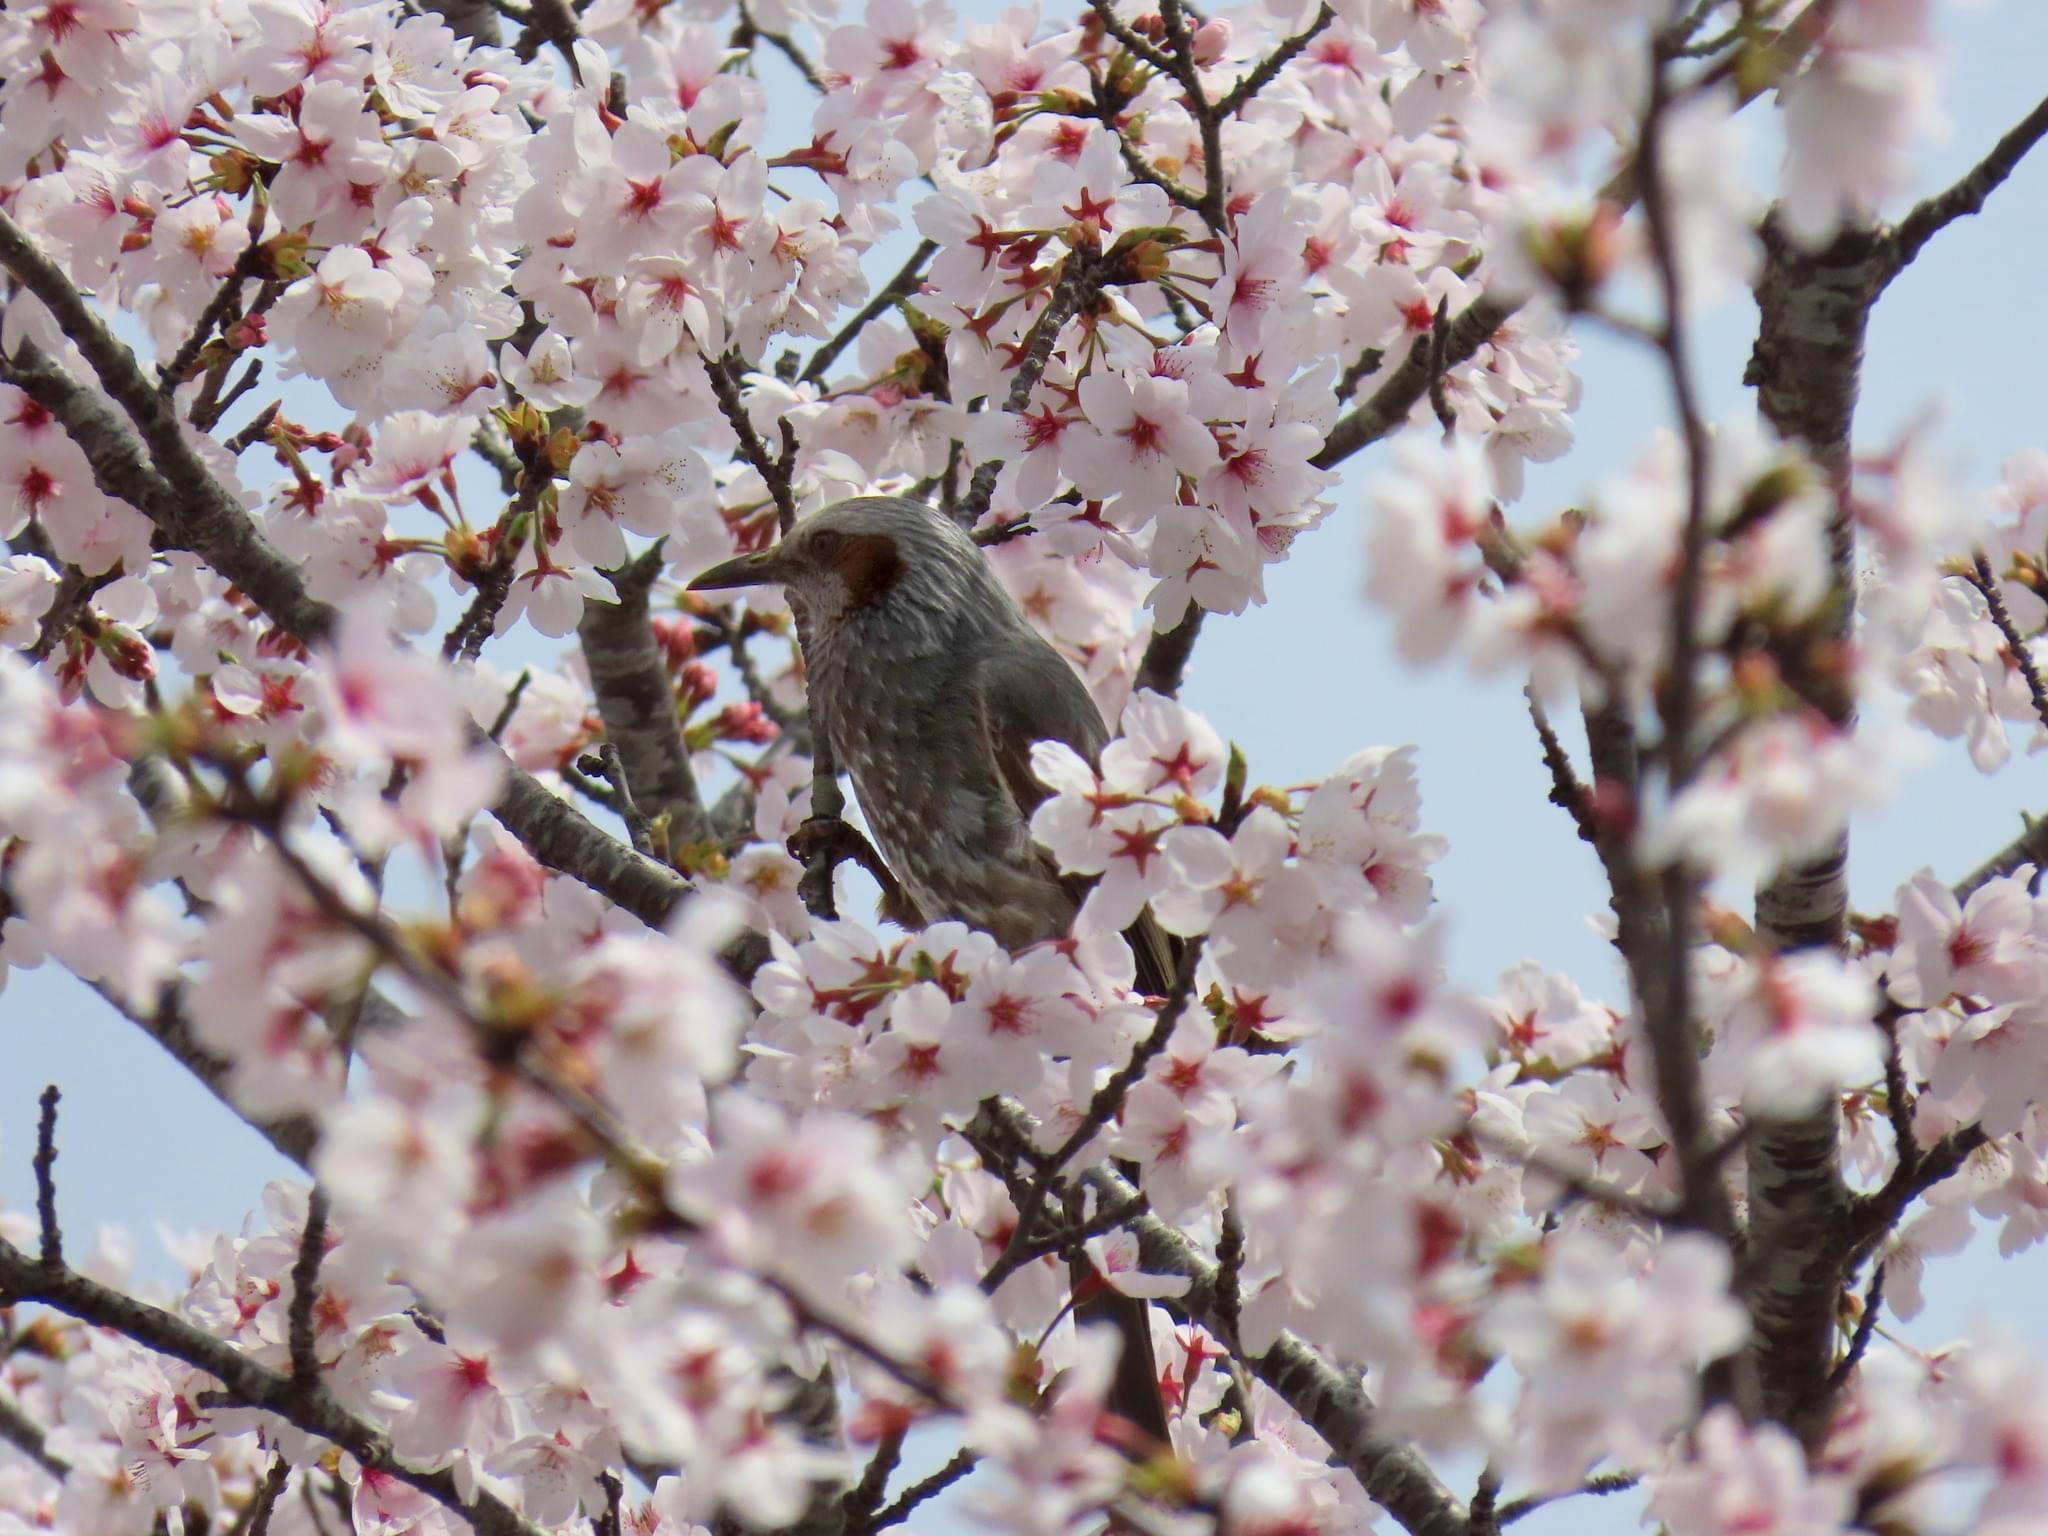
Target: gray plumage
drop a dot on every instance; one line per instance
(931, 694)
(932, 687)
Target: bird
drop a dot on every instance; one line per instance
(931, 687)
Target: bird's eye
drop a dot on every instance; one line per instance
(826, 544)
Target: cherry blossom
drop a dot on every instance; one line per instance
(632, 1152)
(1739, 1480)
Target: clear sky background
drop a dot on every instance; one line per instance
(1311, 677)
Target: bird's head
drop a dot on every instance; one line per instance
(870, 555)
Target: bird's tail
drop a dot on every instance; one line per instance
(1134, 1393)
(1158, 953)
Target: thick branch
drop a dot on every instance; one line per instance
(638, 700)
(201, 514)
(1814, 307)
(1166, 656)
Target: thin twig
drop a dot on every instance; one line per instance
(1388, 406)
(1165, 664)
(247, 1381)
(1075, 292)
(1672, 1029)
(1897, 1096)
(1966, 196)
(257, 1515)
(1986, 582)
(1208, 121)
(494, 582)
(2030, 847)
(248, 266)
(748, 29)
(71, 605)
(1131, 41)
(906, 281)
(1611, 1482)
(1866, 1326)
(45, 1164)
(858, 1507)
(511, 705)
(28, 1437)
(1566, 792)
(255, 431)
(726, 387)
(606, 763)
(1580, 1186)
(1060, 1240)
(1107, 1101)
(906, 1503)
(208, 419)
(1269, 67)
(639, 1167)
(1439, 344)
(1482, 1518)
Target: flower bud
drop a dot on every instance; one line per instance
(699, 683)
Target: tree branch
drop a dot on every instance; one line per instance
(1331, 1400)
(27, 1437)
(1165, 664)
(294, 1136)
(637, 700)
(905, 1504)
(1075, 292)
(1398, 393)
(1986, 582)
(1966, 197)
(1814, 307)
(305, 1405)
(1668, 1015)
(196, 512)
(906, 281)
(1269, 67)
(45, 1163)
(2030, 847)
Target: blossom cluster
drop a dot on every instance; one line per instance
(567, 321)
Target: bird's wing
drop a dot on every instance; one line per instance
(1027, 694)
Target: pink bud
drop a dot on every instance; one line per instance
(699, 683)
(128, 653)
(678, 641)
(1212, 41)
(746, 722)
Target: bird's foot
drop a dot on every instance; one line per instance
(823, 843)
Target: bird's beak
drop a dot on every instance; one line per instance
(743, 571)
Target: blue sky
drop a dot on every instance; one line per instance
(1310, 678)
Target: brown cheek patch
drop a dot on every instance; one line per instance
(870, 566)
